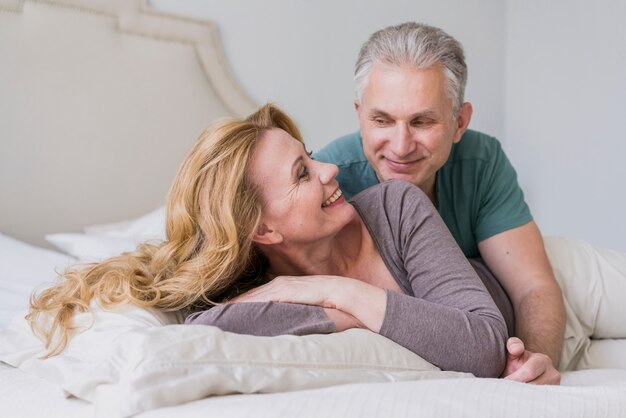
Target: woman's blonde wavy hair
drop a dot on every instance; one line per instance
(213, 210)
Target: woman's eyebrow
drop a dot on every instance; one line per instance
(295, 163)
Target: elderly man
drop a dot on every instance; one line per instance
(410, 81)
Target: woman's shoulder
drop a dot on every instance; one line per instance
(391, 194)
(394, 206)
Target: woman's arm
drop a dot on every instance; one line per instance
(272, 318)
(447, 336)
(450, 318)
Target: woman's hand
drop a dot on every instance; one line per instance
(307, 290)
(364, 302)
(342, 320)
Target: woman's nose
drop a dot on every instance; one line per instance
(327, 172)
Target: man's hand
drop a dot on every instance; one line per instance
(528, 367)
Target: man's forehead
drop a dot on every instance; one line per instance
(414, 93)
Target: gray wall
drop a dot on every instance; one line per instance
(548, 79)
(565, 110)
(301, 53)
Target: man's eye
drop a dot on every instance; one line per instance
(380, 121)
(421, 122)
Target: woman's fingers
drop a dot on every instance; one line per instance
(309, 290)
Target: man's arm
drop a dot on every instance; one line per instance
(518, 259)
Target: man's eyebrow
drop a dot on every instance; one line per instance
(424, 113)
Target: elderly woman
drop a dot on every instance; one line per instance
(254, 222)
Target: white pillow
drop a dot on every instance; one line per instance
(593, 281)
(127, 362)
(151, 225)
(107, 240)
(88, 248)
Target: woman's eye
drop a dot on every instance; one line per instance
(304, 174)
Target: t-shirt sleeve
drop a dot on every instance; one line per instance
(450, 320)
(502, 206)
(265, 319)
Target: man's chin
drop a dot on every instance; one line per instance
(411, 178)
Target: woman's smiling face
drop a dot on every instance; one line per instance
(302, 199)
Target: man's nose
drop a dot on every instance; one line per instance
(402, 143)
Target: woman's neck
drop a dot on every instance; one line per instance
(335, 256)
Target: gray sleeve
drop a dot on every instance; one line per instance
(265, 319)
(447, 315)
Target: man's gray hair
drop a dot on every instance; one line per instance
(417, 45)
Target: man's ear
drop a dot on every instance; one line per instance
(357, 106)
(463, 120)
(267, 236)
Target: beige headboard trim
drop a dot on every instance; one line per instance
(11, 5)
(136, 17)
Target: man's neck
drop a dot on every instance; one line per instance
(430, 188)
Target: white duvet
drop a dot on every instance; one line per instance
(132, 363)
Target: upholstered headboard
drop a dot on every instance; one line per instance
(99, 102)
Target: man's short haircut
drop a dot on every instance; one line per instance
(417, 45)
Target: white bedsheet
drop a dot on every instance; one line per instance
(25, 396)
(433, 398)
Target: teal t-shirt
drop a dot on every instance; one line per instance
(477, 190)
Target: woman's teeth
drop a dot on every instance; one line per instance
(333, 198)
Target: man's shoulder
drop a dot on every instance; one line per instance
(475, 145)
(343, 151)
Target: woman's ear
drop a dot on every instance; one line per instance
(267, 236)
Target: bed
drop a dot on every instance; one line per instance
(100, 102)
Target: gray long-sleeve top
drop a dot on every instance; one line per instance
(446, 314)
